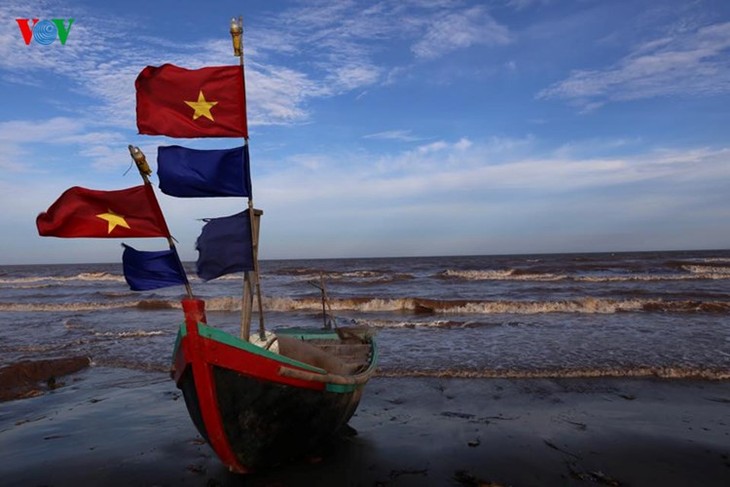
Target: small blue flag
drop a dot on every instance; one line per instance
(145, 270)
(193, 173)
(225, 246)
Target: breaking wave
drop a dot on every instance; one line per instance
(84, 276)
(56, 307)
(500, 275)
(682, 271)
(145, 304)
(693, 272)
(362, 276)
(694, 275)
(237, 276)
(225, 303)
(32, 286)
(407, 305)
(129, 334)
(426, 306)
(442, 324)
(707, 269)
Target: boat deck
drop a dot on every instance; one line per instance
(355, 356)
(343, 351)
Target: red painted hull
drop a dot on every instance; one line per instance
(245, 401)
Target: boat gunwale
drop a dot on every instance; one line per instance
(302, 371)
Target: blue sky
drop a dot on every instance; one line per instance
(395, 127)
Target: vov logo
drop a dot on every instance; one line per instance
(44, 32)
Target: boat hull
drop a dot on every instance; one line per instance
(255, 408)
(267, 424)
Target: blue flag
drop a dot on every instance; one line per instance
(192, 173)
(225, 246)
(145, 270)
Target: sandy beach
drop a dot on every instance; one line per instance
(116, 427)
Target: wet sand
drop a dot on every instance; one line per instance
(114, 427)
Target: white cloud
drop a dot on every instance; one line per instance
(463, 144)
(523, 4)
(694, 63)
(20, 138)
(458, 30)
(402, 135)
(280, 93)
(464, 167)
(20, 131)
(432, 147)
(355, 76)
(598, 199)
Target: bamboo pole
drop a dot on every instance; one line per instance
(251, 279)
(144, 170)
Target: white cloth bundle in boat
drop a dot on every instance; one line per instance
(269, 341)
(302, 351)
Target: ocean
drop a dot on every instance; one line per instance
(663, 314)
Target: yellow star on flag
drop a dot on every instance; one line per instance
(202, 107)
(114, 220)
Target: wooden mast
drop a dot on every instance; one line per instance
(144, 170)
(251, 282)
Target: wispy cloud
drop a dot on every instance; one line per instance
(19, 138)
(401, 135)
(353, 76)
(280, 94)
(522, 4)
(692, 63)
(458, 30)
(464, 185)
(464, 167)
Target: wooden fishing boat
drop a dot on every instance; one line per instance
(258, 408)
(262, 399)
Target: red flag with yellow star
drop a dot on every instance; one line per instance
(81, 212)
(179, 102)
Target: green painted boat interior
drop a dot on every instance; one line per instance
(308, 333)
(233, 341)
(305, 334)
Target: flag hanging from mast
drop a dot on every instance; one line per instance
(191, 173)
(146, 270)
(179, 102)
(225, 246)
(82, 212)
